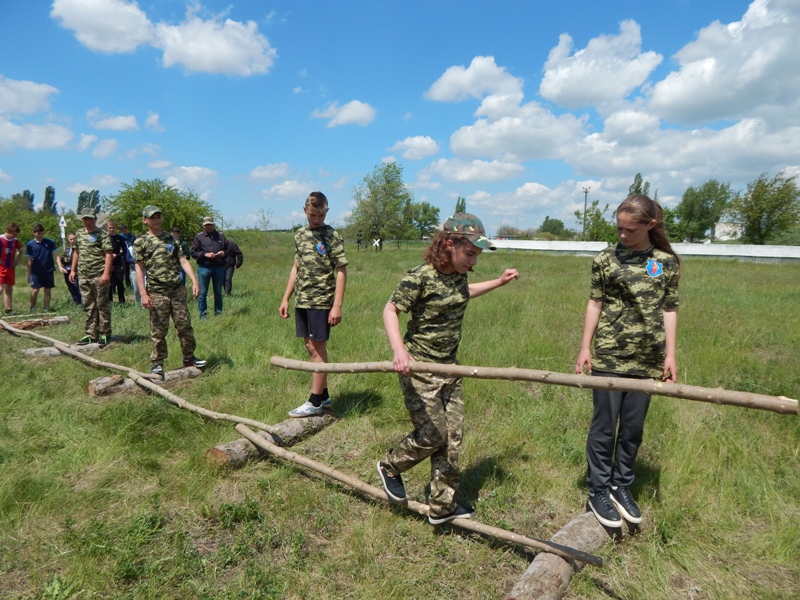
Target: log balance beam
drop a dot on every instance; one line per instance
(778, 404)
(565, 552)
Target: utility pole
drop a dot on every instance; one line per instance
(585, 199)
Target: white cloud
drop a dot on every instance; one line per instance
(215, 46)
(105, 25)
(354, 112)
(105, 148)
(271, 171)
(290, 189)
(482, 77)
(120, 123)
(98, 182)
(476, 170)
(198, 179)
(209, 46)
(19, 97)
(4, 176)
(606, 71)
(159, 164)
(416, 147)
(86, 141)
(153, 123)
(731, 71)
(33, 137)
(631, 127)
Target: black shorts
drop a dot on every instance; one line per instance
(312, 323)
(42, 280)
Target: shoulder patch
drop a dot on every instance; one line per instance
(654, 268)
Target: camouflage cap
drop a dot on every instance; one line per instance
(149, 211)
(88, 213)
(208, 220)
(470, 227)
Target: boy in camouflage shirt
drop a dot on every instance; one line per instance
(159, 255)
(91, 264)
(317, 280)
(436, 295)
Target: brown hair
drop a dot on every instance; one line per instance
(317, 200)
(438, 254)
(644, 210)
(37, 227)
(12, 228)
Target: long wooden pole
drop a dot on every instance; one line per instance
(143, 379)
(417, 507)
(778, 404)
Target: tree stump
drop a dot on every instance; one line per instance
(239, 452)
(548, 576)
(117, 384)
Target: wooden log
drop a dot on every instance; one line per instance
(237, 453)
(142, 379)
(548, 576)
(418, 507)
(49, 351)
(779, 404)
(43, 322)
(116, 384)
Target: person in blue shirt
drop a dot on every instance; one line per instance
(41, 253)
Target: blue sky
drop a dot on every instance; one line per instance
(515, 105)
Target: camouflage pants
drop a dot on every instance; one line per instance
(436, 406)
(166, 305)
(96, 305)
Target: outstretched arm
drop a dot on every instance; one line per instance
(478, 289)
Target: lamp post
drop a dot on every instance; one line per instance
(585, 198)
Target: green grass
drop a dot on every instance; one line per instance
(112, 497)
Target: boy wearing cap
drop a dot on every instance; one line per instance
(41, 253)
(9, 245)
(317, 280)
(91, 264)
(209, 249)
(436, 295)
(160, 255)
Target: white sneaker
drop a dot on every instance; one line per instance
(306, 409)
(326, 403)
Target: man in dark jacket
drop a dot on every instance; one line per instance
(235, 259)
(209, 250)
(119, 267)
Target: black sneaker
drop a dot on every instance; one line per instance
(157, 370)
(84, 341)
(193, 361)
(626, 505)
(603, 509)
(461, 512)
(392, 484)
(102, 341)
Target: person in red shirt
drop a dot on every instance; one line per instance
(9, 245)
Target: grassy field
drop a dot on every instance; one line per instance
(112, 497)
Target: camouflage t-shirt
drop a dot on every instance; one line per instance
(160, 256)
(634, 287)
(92, 247)
(437, 303)
(319, 252)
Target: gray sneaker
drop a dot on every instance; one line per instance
(626, 505)
(603, 508)
(306, 409)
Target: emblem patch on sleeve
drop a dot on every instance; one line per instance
(654, 268)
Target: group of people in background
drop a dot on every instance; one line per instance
(629, 330)
(630, 326)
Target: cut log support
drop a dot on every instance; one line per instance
(779, 404)
(548, 576)
(117, 384)
(417, 507)
(49, 351)
(43, 322)
(239, 452)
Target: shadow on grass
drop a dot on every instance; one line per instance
(215, 360)
(477, 474)
(357, 403)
